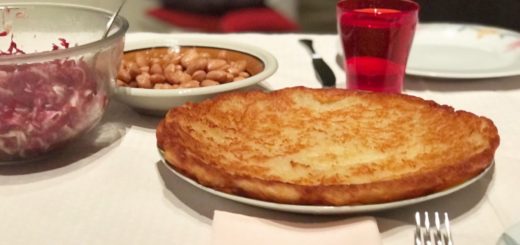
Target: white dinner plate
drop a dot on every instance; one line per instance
(315, 209)
(464, 51)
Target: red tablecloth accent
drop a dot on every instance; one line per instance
(262, 19)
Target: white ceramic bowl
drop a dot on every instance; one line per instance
(159, 101)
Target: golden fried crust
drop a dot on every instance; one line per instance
(326, 146)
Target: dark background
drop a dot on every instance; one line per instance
(499, 13)
(319, 16)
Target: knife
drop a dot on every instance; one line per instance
(323, 71)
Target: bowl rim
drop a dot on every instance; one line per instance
(151, 40)
(120, 21)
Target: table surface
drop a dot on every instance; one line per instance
(111, 187)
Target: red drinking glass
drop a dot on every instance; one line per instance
(376, 36)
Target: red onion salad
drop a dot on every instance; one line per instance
(45, 104)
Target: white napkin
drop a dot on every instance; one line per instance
(511, 236)
(231, 229)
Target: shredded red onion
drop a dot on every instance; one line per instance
(63, 43)
(55, 47)
(45, 104)
(13, 49)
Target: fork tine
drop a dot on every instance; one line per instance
(438, 232)
(426, 221)
(437, 221)
(419, 236)
(432, 232)
(448, 230)
(418, 241)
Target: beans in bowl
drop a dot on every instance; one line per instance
(165, 68)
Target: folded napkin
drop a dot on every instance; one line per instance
(511, 236)
(231, 229)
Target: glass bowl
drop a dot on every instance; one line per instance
(55, 71)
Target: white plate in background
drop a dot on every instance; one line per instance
(464, 51)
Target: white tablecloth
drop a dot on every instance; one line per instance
(111, 188)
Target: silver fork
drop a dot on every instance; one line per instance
(427, 233)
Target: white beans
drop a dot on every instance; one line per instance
(199, 75)
(157, 78)
(143, 80)
(156, 68)
(207, 83)
(196, 65)
(164, 69)
(216, 64)
(219, 76)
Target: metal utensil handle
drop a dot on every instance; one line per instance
(308, 44)
(112, 19)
